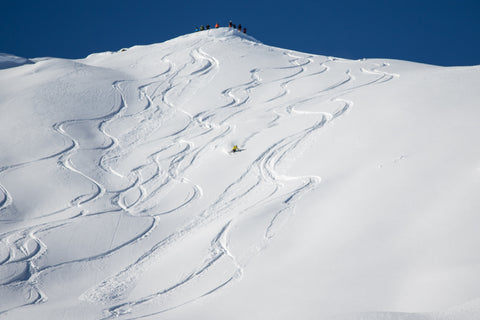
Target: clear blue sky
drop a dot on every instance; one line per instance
(443, 32)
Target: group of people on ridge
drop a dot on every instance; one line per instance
(206, 27)
(230, 25)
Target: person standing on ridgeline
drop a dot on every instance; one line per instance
(202, 28)
(196, 29)
(240, 27)
(244, 30)
(234, 26)
(230, 24)
(208, 26)
(217, 25)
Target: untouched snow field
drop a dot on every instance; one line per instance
(10, 61)
(356, 194)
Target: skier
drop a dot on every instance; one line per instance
(217, 25)
(202, 28)
(208, 26)
(230, 24)
(240, 27)
(244, 30)
(235, 148)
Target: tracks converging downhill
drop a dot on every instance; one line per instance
(140, 164)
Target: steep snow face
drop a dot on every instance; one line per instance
(355, 190)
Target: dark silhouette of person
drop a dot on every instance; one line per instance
(239, 27)
(230, 24)
(244, 30)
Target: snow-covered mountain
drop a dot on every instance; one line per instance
(10, 61)
(355, 194)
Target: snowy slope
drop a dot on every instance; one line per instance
(355, 195)
(10, 61)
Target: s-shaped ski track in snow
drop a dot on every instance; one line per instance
(237, 202)
(148, 145)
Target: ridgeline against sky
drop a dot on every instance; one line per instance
(441, 32)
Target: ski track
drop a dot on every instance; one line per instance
(263, 167)
(164, 169)
(17, 250)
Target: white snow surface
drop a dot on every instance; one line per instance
(10, 61)
(356, 194)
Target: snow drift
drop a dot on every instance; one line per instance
(355, 195)
(10, 61)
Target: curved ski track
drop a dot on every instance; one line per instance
(153, 176)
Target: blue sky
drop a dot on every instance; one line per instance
(436, 32)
